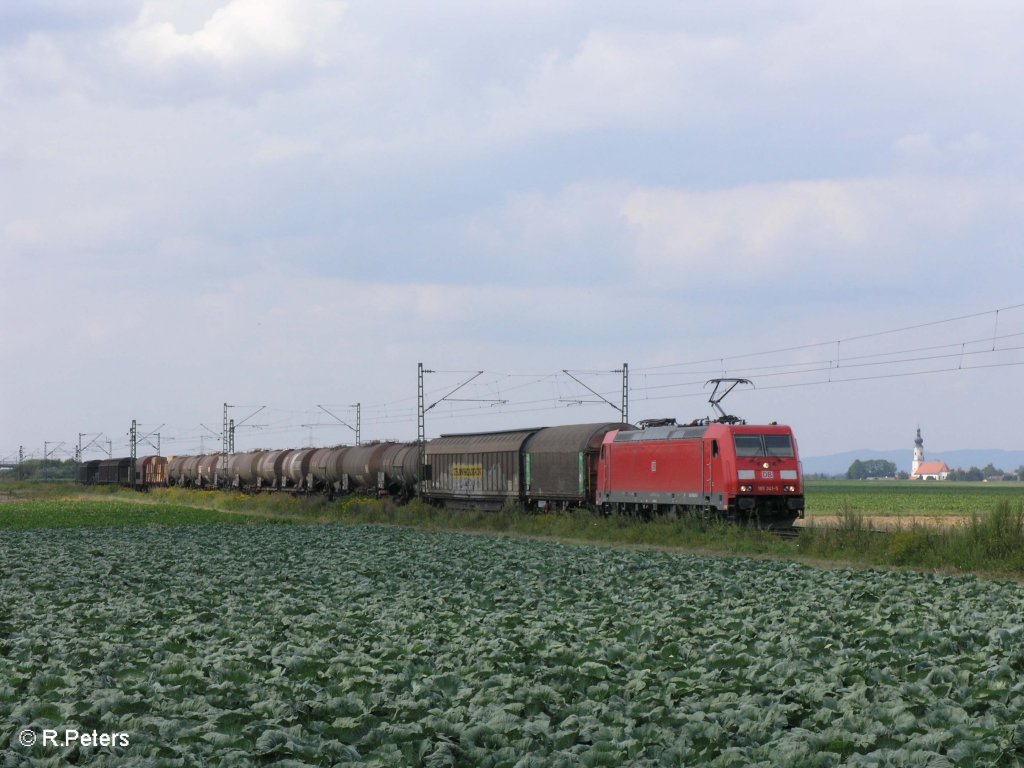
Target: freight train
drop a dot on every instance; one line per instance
(724, 468)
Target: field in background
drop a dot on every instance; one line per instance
(22, 514)
(906, 498)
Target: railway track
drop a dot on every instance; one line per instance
(789, 533)
(794, 532)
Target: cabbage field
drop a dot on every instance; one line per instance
(333, 645)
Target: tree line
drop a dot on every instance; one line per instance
(41, 469)
(876, 469)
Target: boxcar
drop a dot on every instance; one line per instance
(479, 470)
(560, 464)
(88, 472)
(115, 472)
(150, 471)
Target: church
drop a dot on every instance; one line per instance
(926, 470)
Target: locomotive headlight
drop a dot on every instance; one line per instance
(745, 488)
(766, 465)
(791, 488)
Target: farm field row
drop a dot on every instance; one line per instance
(905, 498)
(380, 646)
(989, 542)
(56, 512)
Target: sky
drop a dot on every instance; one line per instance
(285, 206)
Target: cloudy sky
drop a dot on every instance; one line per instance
(291, 203)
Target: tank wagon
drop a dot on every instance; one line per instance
(399, 470)
(270, 469)
(206, 471)
(387, 468)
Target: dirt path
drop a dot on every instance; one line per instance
(889, 522)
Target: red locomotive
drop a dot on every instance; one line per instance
(726, 467)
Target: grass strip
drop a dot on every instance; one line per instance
(989, 543)
(27, 514)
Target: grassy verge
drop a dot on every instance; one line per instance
(987, 543)
(990, 543)
(578, 526)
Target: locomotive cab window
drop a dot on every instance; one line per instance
(749, 446)
(756, 446)
(778, 445)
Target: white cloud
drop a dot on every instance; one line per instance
(923, 146)
(916, 145)
(281, 149)
(774, 232)
(617, 79)
(768, 234)
(39, 60)
(240, 32)
(974, 143)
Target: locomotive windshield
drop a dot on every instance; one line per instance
(755, 446)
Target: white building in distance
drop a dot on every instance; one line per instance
(926, 470)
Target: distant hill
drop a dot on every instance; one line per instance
(838, 463)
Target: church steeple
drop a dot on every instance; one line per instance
(918, 453)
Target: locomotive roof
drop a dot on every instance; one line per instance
(670, 432)
(697, 431)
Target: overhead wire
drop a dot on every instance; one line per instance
(644, 384)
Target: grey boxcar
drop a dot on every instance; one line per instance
(484, 469)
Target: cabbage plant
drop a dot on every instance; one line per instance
(330, 645)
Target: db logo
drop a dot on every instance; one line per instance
(767, 474)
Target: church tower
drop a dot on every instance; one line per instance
(918, 453)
